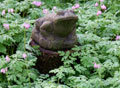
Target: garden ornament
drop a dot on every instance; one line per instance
(56, 31)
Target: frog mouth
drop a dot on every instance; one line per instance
(65, 25)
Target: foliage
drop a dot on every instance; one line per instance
(97, 44)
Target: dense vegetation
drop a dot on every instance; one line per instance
(95, 63)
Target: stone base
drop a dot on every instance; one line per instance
(48, 60)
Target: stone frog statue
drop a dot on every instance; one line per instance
(56, 31)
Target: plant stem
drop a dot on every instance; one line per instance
(25, 51)
(24, 39)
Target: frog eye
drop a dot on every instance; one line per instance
(61, 13)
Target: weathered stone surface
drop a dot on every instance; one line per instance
(48, 60)
(56, 31)
(53, 32)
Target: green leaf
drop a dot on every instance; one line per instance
(1, 39)
(2, 49)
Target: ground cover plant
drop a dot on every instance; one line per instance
(95, 62)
